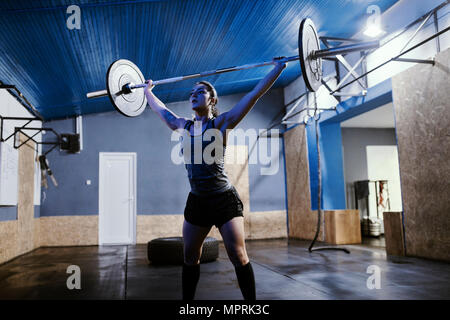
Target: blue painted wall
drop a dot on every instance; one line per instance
(162, 186)
(331, 166)
(8, 213)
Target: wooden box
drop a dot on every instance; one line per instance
(342, 227)
(393, 232)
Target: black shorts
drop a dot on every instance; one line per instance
(216, 209)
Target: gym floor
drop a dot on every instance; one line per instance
(284, 270)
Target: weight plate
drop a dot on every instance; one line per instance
(120, 73)
(308, 42)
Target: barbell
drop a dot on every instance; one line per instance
(123, 77)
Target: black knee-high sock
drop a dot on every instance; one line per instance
(246, 280)
(190, 276)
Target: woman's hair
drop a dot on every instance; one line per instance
(213, 93)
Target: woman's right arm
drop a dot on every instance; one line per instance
(173, 121)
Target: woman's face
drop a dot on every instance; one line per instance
(199, 97)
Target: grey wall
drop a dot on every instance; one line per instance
(354, 142)
(162, 186)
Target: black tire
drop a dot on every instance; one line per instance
(170, 250)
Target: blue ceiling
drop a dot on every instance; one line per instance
(55, 67)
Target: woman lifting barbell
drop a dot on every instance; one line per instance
(213, 200)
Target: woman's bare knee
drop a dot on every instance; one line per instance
(238, 256)
(234, 239)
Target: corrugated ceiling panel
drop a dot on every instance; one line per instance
(55, 67)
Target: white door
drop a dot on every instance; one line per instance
(117, 198)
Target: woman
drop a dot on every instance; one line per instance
(213, 200)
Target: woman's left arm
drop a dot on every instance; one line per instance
(230, 119)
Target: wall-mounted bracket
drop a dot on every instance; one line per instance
(2, 122)
(38, 130)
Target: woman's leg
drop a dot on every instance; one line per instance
(193, 237)
(234, 240)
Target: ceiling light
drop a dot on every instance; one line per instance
(373, 31)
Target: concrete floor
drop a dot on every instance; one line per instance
(284, 270)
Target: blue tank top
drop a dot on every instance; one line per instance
(205, 178)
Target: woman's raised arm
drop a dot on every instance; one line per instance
(173, 121)
(230, 119)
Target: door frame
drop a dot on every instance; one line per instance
(133, 157)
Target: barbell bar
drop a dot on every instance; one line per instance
(130, 86)
(124, 77)
(345, 49)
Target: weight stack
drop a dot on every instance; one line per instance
(374, 229)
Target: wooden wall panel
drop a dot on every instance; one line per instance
(422, 104)
(393, 232)
(19, 236)
(302, 220)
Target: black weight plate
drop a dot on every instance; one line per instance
(120, 73)
(308, 42)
